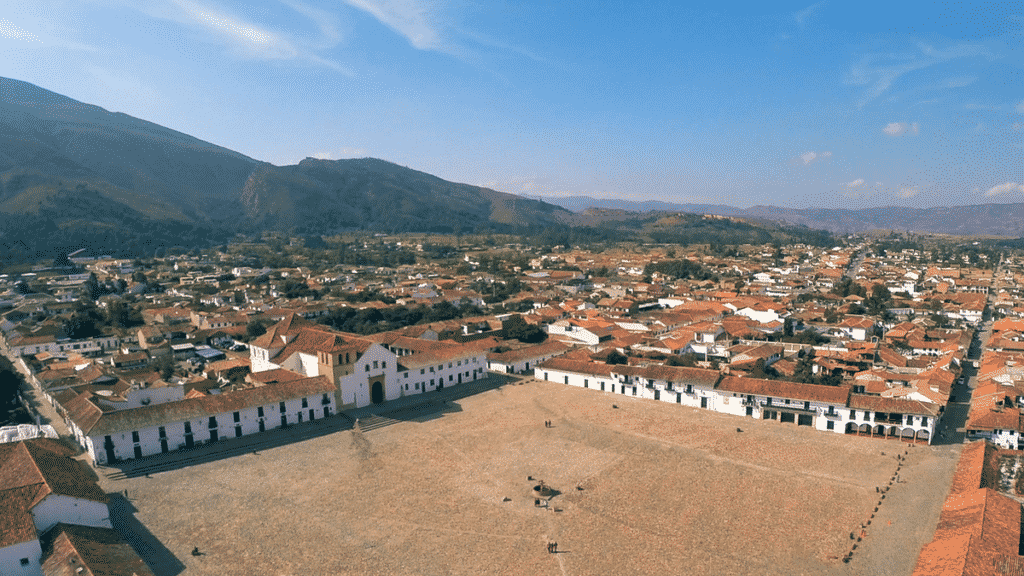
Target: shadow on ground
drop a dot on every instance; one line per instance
(159, 559)
(418, 408)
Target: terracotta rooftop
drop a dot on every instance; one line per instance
(780, 389)
(101, 551)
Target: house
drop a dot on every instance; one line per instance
(524, 359)
(820, 407)
(857, 327)
(687, 386)
(46, 498)
(979, 529)
(109, 433)
(365, 370)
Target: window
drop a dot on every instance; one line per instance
(135, 437)
(459, 363)
(24, 561)
(440, 367)
(375, 363)
(188, 427)
(325, 399)
(431, 381)
(238, 417)
(417, 386)
(384, 364)
(406, 375)
(162, 431)
(259, 411)
(281, 406)
(422, 371)
(853, 414)
(566, 379)
(830, 425)
(213, 421)
(305, 403)
(449, 364)
(367, 367)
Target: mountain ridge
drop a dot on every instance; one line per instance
(974, 219)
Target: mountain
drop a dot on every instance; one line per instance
(582, 203)
(74, 175)
(978, 219)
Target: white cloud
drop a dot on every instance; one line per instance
(1007, 188)
(413, 19)
(901, 128)
(806, 14)
(809, 157)
(11, 31)
(325, 21)
(248, 39)
(960, 81)
(855, 183)
(322, 155)
(878, 71)
(908, 192)
(243, 35)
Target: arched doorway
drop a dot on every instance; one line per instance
(377, 392)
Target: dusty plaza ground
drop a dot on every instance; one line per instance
(666, 490)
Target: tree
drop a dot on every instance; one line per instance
(787, 327)
(616, 357)
(255, 329)
(688, 360)
(165, 365)
(516, 327)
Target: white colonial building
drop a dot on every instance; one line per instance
(42, 486)
(827, 408)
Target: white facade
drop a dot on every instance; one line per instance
(575, 332)
(207, 429)
(835, 417)
(22, 559)
(55, 508)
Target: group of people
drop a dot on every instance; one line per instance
(547, 423)
(552, 547)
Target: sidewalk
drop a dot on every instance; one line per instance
(39, 406)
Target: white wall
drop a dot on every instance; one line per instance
(56, 508)
(249, 423)
(10, 559)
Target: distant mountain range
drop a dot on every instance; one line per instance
(978, 219)
(73, 175)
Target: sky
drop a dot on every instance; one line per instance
(796, 104)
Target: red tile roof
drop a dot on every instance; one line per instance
(101, 551)
(781, 389)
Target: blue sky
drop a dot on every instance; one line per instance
(831, 104)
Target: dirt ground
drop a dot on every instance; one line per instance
(665, 490)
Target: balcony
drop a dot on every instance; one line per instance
(795, 408)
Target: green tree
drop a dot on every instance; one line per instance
(254, 329)
(165, 365)
(519, 329)
(616, 357)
